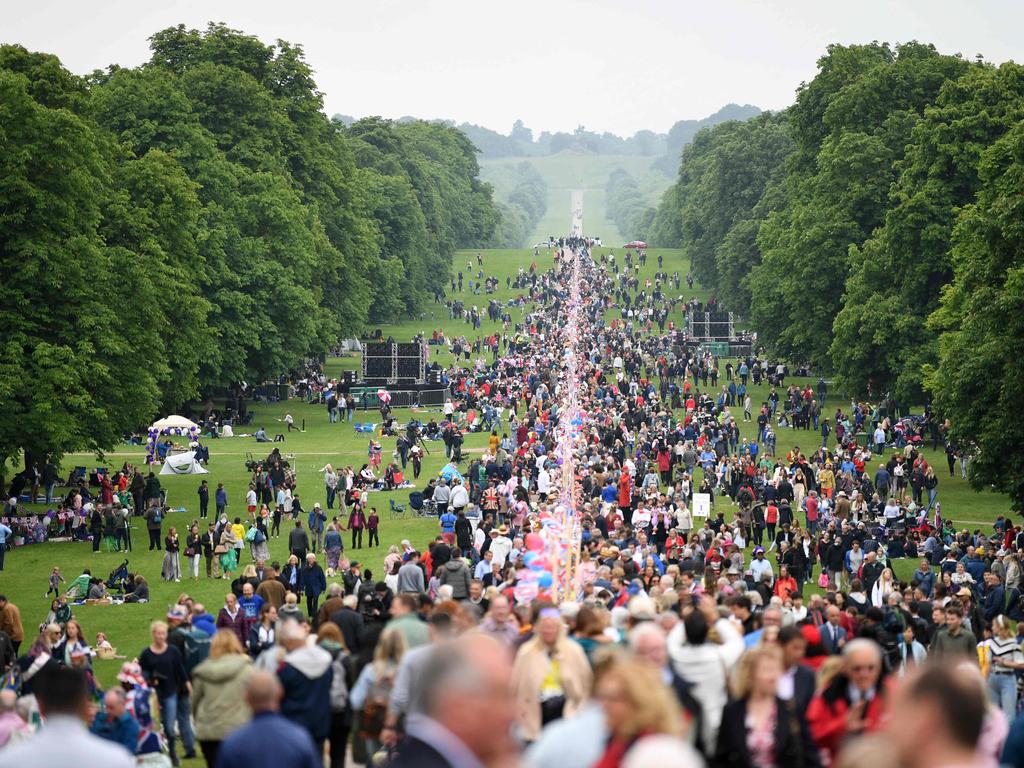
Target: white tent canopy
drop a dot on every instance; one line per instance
(183, 464)
(174, 422)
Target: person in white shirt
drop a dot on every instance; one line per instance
(459, 498)
(62, 694)
(501, 546)
(879, 438)
(543, 483)
(759, 566)
(704, 664)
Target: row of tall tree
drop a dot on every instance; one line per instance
(522, 211)
(627, 205)
(198, 221)
(873, 229)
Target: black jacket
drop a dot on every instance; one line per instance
(413, 753)
(794, 747)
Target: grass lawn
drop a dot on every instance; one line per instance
(24, 580)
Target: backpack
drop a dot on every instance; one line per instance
(158, 518)
(196, 647)
(339, 684)
(376, 706)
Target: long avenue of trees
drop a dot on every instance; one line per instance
(873, 229)
(176, 228)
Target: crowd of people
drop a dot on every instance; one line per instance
(780, 629)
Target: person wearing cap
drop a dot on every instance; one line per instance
(316, 522)
(760, 567)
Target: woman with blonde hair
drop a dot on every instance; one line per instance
(551, 676)
(369, 696)
(226, 549)
(637, 703)
(1004, 659)
(880, 589)
(760, 730)
(218, 693)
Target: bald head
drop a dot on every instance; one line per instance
(8, 699)
(263, 692)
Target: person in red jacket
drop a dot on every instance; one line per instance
(853, 703)
(625, 494)
(785, 585)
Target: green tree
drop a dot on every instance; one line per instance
(882, 340)
(851, 126)
(979, 381)
(81, 360)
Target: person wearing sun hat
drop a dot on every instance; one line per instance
(139, 706)
(501, 546)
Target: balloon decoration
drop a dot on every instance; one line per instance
(155, 434)
(553, 548)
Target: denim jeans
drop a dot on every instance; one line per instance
(1002, 689)
(177, 711)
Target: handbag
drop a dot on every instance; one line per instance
(221, 549)
(189, 552)
(823, 580)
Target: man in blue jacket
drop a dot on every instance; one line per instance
(306, 674)
(116, 723)
(924, 578)
(269, 739)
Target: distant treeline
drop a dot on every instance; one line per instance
(520, 141)
(520, 214)
(627, 206)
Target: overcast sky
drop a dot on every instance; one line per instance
(610, 65)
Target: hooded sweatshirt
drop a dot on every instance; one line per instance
(306, 677)
(218, 696)
(456, 573)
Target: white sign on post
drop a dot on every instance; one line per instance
(702, 505)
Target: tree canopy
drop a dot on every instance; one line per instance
(867, 230)
(197, 221)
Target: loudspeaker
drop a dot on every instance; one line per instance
(348, 377)
(434, 377)
(409, 368)
(378, 367)
(414, 349)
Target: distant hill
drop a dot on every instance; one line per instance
(682, 133)
(666, 147)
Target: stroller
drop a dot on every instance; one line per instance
(118, 578)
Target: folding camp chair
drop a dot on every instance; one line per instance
(397, 510)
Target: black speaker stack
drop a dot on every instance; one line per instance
(388, 363)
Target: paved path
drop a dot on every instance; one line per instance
(576, 228)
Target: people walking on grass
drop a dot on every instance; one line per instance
(356, 524)
(226, 549)
(193, 551)
(171, 570)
